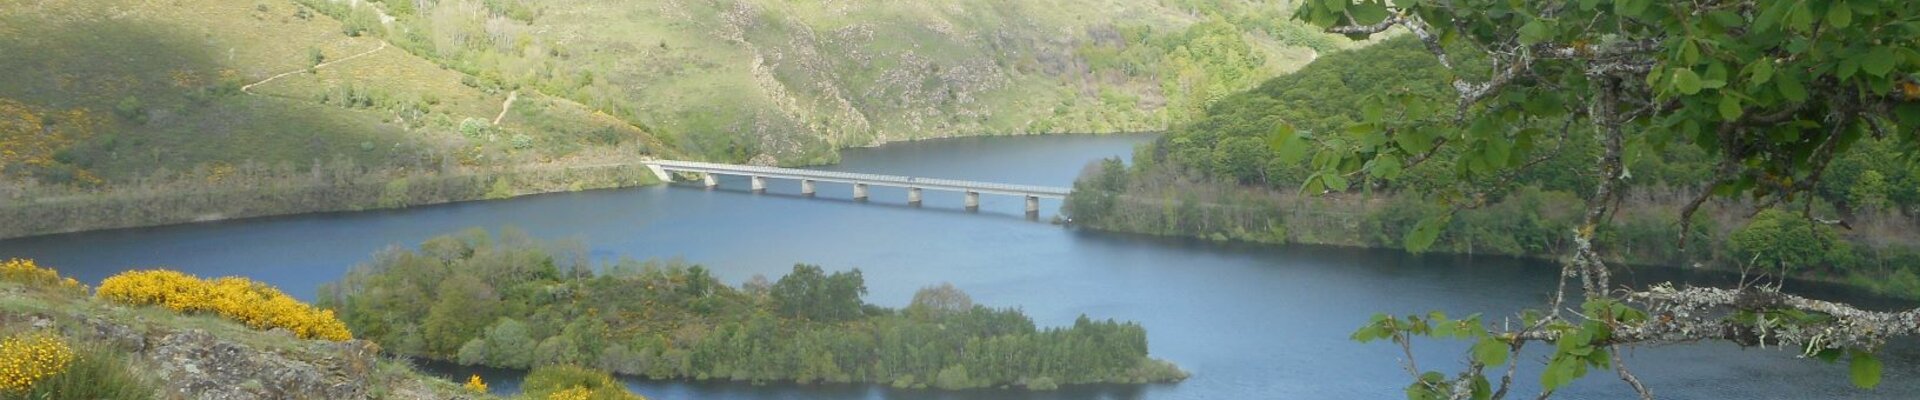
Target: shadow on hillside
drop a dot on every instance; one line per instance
(166, 96)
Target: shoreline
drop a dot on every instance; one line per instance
(115, 211)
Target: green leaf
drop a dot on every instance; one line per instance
(1907, 115)
(1367, 136)
(1287, 145)
(1801, 19)
(1686, 81)
(1847, 68)
(1689, 53)
(1866, 370)
(1790, 87)
(1387, 167)
(1730, 107)
(1498, 152)
(1771, 13)
(1413, 141)
(1879, 61)
(1534, 32)
(1368, 13)
(1839, 15)
(1426, 232)
(1334, 182)
(1762, 70)
(1491, 352)
(1631, 8)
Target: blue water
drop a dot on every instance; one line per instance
(1248, 321)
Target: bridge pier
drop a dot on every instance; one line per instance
(806, 187)
(708, 179)
(973, 201)
(759, 184)
(1033, 206)
(913, 196)
(860, 192)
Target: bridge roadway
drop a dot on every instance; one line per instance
(860, 181)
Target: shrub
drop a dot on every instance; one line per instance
(574, 383)
(97, 372)
(28, 359)
(131, 109)
(257, 305)
(476, 385)
(25, 272)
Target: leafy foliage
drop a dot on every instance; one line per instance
(257, 305)
(26, 360)
(26, 272)
(566, 382)
(524, 303)
(93, 371)
(1773, 91)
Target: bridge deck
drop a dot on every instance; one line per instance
(868, 179)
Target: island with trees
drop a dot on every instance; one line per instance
(508, 301)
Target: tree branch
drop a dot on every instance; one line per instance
(1693, 314)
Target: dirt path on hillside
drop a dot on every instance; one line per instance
(506, 105)
(248, 89)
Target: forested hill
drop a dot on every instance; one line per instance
(1224, 176)
(128, 113)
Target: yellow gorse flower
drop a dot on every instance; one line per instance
(26, 359)
(575, 393)
(25, 272)
(476, 385)
(257, 305)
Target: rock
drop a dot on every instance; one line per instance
(196, 364)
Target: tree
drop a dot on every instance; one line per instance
(509, 344)
(1782, 240)
(464, 305)
(934, 302)
(1776, 90)
(810, 293)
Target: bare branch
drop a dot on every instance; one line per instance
(1382, 26)
(1620, 366)
(1696, 314)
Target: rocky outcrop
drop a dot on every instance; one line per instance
(233, 363)
(200, 365)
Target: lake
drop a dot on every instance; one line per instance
(1247, 321)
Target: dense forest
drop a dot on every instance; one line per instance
(508, 301)
(1225, 177)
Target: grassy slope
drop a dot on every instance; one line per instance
(176, 57)
(796, 80)
(109, 103)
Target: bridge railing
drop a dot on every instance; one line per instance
(855, 177)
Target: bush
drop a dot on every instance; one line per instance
(29, 359)
(476, 385)
(97, 372)
(574, 383)
(257, 305)
(131, 109)
(953, 377)
(27, 273)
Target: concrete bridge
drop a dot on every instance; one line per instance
(808, 178)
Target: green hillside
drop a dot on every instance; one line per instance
(117, 114)
(795, 80)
